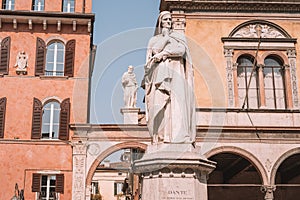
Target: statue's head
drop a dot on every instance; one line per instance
(164, 21)
(130, 69)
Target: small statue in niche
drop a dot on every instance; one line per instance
(21, 63)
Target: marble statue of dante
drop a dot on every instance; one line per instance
(130, 87)
(169, 87)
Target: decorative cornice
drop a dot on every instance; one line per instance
(46, 18)
(263, 6)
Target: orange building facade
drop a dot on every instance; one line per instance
(44, 76)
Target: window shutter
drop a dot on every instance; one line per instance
(36, 182)
(64, 119)
(69, 58)
(59, 184)
(36, 119)
(2, 115)
(40, 57)
(4, 60)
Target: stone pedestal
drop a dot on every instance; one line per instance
(130, 115)
(173, 171)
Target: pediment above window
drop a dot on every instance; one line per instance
(259, 28)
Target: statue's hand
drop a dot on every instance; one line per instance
(157, 57)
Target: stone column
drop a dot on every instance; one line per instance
(292, 62)
(79, 172)
(228, 53)
(173, 171)
(235, 84)
(288, 88)
(130, 115)
(261, 82)
(268, 190)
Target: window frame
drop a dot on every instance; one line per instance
(64, 118)
(246, 81)
(10, 6)
(48, 187)
(117, 185)
(34, 6)
(57, 52)
(41, 56)
(37, 184)
(53, 135)
(274, 88)
(66, 6)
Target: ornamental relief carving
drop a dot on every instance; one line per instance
(258, 30)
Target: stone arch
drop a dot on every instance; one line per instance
(245, 154)
(240, 53)
(109, 151)
(277, 31)
(55, 98)
(55, 38)
(278, 54)
(279, 161)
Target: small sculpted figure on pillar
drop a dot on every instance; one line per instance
(130, 87)
(169, 87)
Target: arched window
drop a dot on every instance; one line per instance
(38, 5)
(244, 70)
(274, 83)
(68, 6)
(50, 120)
(55, 59)
(8, 4)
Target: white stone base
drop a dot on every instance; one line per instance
(173, 172)
(130, 115)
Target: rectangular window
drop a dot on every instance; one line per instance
(95, 188)
(38, 5)
(8, 4)
(48, 184)
(118, 188)
(68, 6)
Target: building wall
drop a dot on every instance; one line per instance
(20, 155)
(54, 7)
(205, 32)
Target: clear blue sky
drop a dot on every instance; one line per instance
(122, 31)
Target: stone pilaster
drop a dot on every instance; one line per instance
(79, 170)
(228, 53)
(291, 53)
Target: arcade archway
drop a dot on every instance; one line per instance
(287, 179)
(234, 178)
(109, 171)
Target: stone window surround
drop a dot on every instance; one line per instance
(260, 65)
(281, 47)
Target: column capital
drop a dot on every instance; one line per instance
(235, 66)
(228, 52)
(79, 148)
(286, 67)
(291, 53)
(260, 67)
(268, 190)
